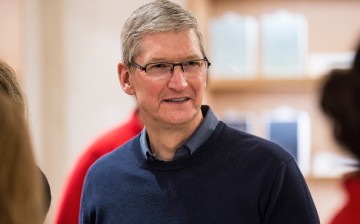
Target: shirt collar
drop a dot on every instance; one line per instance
(201, 134)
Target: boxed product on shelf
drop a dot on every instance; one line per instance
(290, 128)
(241, 120)
(233, 46)
(284, 44)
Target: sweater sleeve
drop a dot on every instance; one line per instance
(88, 200)
(69, 207)
(289, 199)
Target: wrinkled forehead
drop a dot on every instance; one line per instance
(171, 45)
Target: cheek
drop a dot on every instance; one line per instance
(200, 84)
(205, 78)
(202, 79)
(147, 93)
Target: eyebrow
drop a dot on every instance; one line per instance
(188, 58)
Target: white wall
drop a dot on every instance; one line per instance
(72, 48)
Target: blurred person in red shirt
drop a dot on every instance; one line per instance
(340, 101)
(68, 211)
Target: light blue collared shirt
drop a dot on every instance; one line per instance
(202, 133)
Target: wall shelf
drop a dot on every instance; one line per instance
(263, 85)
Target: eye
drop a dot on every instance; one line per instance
(192, 63)
(158, 65)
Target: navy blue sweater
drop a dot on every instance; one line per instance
(234, 177)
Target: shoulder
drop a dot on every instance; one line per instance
(109, 141)
(256, 158)
(121, 156)
(114, 137)
(245, 145)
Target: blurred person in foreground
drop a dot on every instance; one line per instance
(186, 166)
(10, 87)
(340, 101)
(69, 208)
(21, 199)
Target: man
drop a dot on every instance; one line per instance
(186, 166)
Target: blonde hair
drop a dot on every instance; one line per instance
(9, 85)
(20, 184)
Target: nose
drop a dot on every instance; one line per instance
(181, 66)
(178, 80)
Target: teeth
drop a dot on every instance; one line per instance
(177, 100)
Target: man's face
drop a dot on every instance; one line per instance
(173, 99)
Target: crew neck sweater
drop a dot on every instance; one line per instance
(202, 132)
(233, 177)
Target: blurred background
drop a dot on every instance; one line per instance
(65, 54)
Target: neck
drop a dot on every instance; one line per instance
(164, 141)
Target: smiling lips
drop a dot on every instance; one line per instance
(176, 100)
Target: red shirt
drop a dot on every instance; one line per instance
(69, 207)
(350, 213)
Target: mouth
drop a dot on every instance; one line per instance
(177, 100)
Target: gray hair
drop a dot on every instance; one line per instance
(156, 17)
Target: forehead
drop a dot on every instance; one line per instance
(172, 45)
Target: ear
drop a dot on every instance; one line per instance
(124, 78)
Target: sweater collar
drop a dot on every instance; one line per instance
(201, 134)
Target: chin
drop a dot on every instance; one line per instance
(179, 117)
